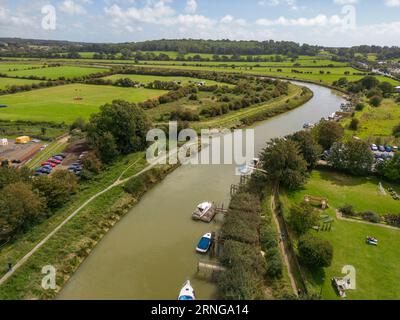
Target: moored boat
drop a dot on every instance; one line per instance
(187, 292)
(204, 243)
(202, 210)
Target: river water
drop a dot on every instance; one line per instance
(151, 251)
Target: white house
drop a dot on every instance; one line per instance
(397, 89)
(3, 142)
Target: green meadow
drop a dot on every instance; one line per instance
(328, 76)
(6, 67)
(60, 104)
(53, 73)
(377, 274)
(8, 82)
(378, 123)
(147, 79)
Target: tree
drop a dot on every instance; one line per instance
(309, 148)
(315, 252)
(79, 123)
(91, 164)
(56, 189)
(284, 163)
(119, 128)
(303, 217)
(376, 101)
(19, 206)
(369, 82)
(354, 124)
(329, 132)
(353, 156)
(391, 169)
(386, 87)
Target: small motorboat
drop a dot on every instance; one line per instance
(205, 243)
(372, 241)
(187, 292)
(202, 210)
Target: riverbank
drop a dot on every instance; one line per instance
(68, 248)
(162, 225)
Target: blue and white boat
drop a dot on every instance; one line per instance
(187, 292)
(205, 243)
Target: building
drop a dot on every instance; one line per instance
(22, 140)
(397, 89)
(3, 142)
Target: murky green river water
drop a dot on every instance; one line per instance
(151, 252)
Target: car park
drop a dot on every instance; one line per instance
(382, 148)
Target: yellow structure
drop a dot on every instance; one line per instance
(22, 140)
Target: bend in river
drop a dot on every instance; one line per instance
(151, 251)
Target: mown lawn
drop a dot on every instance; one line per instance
(59, 104)
(376, 267)
(53, 73)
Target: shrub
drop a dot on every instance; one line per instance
(376, 101)
(392, 219)
(274, 264)
(347, 210)
(354, 124)
(315, 252)
(360, 106)
(370, 216)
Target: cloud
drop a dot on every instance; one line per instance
(72, 8)
(319, 20)
(191, 6)
(11, 18)
(344, 2)
(291, 3)
(392, 3)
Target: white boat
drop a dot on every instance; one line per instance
(187, 292)
(202, 210)
(204, 243)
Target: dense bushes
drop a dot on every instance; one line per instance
(241, 250)
(269, 244)
(315, 252)
(24, 201)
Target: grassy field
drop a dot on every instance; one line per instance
(6, 67)
(53, 73)
(285, 63)
(314, 74)
(147, 79)
(376, 267)
(8, 82)
(58, 104)
(378, 123)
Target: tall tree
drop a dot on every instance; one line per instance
(329, 132)
(309, 148)
(284, 163)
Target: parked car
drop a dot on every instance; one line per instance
(388, 149)
(374, 147)
(48, 163)
(54, 161)
(382, 148)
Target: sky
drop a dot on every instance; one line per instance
(317, 22)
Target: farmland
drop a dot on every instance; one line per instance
(313, 74)
(53, 73)
(59, 104)
(145, 79)
(376, 267)
(7, 82)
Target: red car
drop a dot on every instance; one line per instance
(54, 161)
(48, 164)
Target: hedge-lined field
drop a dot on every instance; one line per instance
(66, 103)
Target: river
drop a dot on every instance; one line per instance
(150, 252)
